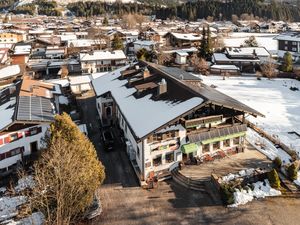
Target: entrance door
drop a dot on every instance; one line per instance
(184, 157)
(33, 147)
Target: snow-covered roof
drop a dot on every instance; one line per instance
(188, 36)
(7, 106)
(75, 80)
(143, 115)
(182, 53)
(22, 49)
(223, 58)
(289, 36)
(102, 55)
(9, 71)
(245, 51)
(224, 67)
(144, 43)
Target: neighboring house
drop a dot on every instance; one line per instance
(101, 61)
(182, 39)
(9, 74)
(20, 54)
(148, 45)
(12, 36)
(167, 116)
(289, 42)
(246, 59)
(55, 52)
(26, 110)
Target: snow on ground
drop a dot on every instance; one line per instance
(24, 183)
(241, 173)
(298, 179)
(273, 98)
(36, 218)
(266, 147)
(264, 40)
(261, 190)
(8, 206)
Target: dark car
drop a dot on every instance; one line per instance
(108, 140)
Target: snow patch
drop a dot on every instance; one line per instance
(261, 190)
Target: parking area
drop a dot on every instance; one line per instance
(250, 158)
(118, 169)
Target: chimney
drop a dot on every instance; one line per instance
(146, 73)
(162, 87)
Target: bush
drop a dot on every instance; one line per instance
(274, 179)
(227, 194)
(277, 163)
(292, 171)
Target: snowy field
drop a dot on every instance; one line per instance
(273, 98)
(263, 40)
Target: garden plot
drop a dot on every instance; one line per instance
(273, 98)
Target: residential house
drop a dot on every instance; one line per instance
(167, 116)
(12, 36)
(27, 109)
(246, 59)
(289, 42)
(182, 39)
(101, 61)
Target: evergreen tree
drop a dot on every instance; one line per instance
(105, 21)
(205, 50)
(67, 175)
(274, 179)
(117, 43)
(202, 52)
(292, 171)
(287, 62)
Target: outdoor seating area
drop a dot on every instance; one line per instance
(222, 163)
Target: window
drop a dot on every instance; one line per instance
(286, 42)
(170, 157)
(226, 143)
(236, 141)
(33, 131)
(285, 48)
(294, 49)
(157, 161)
(216, 146)
(294, 43)
(205, 148)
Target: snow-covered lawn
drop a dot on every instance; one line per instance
(237, 39)
(242, 173)
(261, 190)
(266, 147)
(273, 98)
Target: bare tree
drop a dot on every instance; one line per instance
(64, 71)
(199, 64)
(164, 58)
(269, 69)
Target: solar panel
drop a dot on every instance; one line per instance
(33, 108)
(217, 133)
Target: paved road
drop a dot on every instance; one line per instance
(118, 169)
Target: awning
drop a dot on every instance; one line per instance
(189, 148)
(217, 139)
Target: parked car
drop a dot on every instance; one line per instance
(108, 140)
(95, 209)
